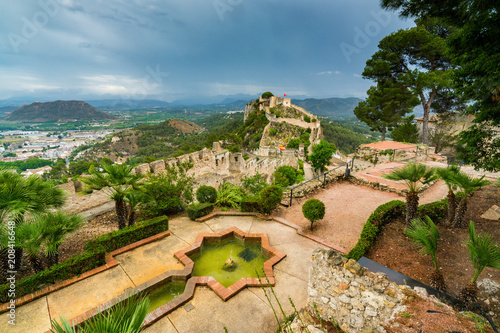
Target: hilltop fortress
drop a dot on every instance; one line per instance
(287, 120)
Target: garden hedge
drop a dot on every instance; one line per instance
(385, 213)
(195, 211)
(251, 204)
(73, 266)
(120, 238)
(436, 210)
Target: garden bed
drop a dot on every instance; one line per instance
(394, 250)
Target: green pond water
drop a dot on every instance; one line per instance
(248, 259)
(165, 294)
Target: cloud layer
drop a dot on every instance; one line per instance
(178, 49)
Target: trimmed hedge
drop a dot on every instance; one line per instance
(436, 210)
(120, 238)
(206, 193)
(198, 210)
(73, 266)
(251, 204)
(383, 214)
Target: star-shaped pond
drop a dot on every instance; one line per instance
(231, 260)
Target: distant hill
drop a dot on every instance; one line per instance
(335, 108)
(57, 111)
(160, 140)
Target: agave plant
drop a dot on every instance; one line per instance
(414, 176)
(447, 175)
(425, 235)
(484, 252)
(125, 317)
(468, 185)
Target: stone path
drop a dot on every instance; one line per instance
(248, 311)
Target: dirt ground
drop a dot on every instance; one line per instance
(345, 215)
(394, 250)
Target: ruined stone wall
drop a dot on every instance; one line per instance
(345, 292)
(216, 166)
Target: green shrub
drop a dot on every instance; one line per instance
(307, 119)
(251, 204)
(254, 184)
(195, 211)
(73, 266)
(270, 197)
(267, 94)
(285, 176)
(293, 143)
(383, 214)
(120, 238)
(272, 131)
(206, 193)
(436, 210)
(169, 192)
(230, 195)
(313, 210)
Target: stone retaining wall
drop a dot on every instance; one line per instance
(346, 293)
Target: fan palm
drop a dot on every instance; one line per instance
(468, 185)
(23, 197)
(414, 176)
(425, 235)
(118, 180)
(447, 175)
(484, 252)
(126, 317)
(133, 199)
(54, 228)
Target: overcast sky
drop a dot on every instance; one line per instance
(176, 49)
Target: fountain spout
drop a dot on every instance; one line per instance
(230, 265)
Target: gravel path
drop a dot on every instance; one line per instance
(348, 206)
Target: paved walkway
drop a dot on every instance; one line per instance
(248, 311)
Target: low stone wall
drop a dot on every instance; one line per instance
(346, 293)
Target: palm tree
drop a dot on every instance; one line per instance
(126, 317)
(133, 199)
(21, 198)
(447, 175)
(55, 227)
(425, 235)
(468, 185)
(118, 180)
(414, 176)
(484, 253)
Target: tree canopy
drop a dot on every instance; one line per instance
(322, 154)
(475, 50)
(386, 104)
(415, 58)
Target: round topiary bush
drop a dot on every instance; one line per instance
(313, 210)
(270, 197)
(206, 193)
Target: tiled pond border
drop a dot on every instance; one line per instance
(226, 293)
